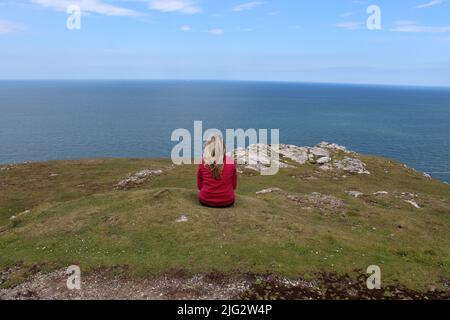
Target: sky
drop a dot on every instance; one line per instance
(273, 40)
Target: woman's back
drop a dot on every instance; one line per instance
(217, 192)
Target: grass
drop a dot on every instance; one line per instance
(77, 217)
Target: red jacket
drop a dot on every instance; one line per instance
(217, 192)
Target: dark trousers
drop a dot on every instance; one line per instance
(221, 207)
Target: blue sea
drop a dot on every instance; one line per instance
(43, 120)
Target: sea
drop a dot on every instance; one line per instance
(58, 120)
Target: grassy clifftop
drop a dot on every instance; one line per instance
(307, 221)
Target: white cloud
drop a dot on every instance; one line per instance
(430, 4)
(350, 25)
(7, 27)
(216, 32)
(91, 6)
(181, 6)
(413, 27)
(185, 28)
(248, 5)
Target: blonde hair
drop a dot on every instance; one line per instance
(213, 155)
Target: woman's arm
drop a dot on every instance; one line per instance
(199, 178)
(234, 177)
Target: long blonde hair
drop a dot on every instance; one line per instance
(213, 155)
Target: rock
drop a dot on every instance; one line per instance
(355, 194)
(145, 173)
(408, 195)
(269, 190)
(182, 218)
(295, 153)
(12, 218)
(319, 152)
(413, 203)
(426, 175)
(53, 175)
(333, 146)
(326, 167)
(311, 159)
(137, 178)
(256, 157)
(380, 193)
(323, 160)
(351, 165)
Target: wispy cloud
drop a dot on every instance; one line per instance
(7, 27)
(185, 28)
(92, 6)
(349, 25)
(432, 3)
(180, 6)
(413, 27)
(248, 5)
(216, 32)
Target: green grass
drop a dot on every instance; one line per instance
(77, 217)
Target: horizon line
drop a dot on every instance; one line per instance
(228, 80)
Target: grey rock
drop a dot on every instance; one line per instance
(354, 193)
(319, 152)
(182, 218)
(324, 160)
(351, 165)
(269, 190)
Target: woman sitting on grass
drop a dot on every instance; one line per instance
(216, 175)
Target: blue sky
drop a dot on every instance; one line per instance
(295, 40)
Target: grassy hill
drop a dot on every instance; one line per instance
(58, 213)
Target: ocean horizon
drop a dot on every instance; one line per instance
(77, 119)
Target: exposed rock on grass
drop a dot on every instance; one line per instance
(321, 202)
(182, 218)
(7, 167)
(410, 198)
(269, 190)
(138, 178)
(355, 194)
(413, 203)
(351, 165)
(380, 193)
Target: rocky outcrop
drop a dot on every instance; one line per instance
(327, 156)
